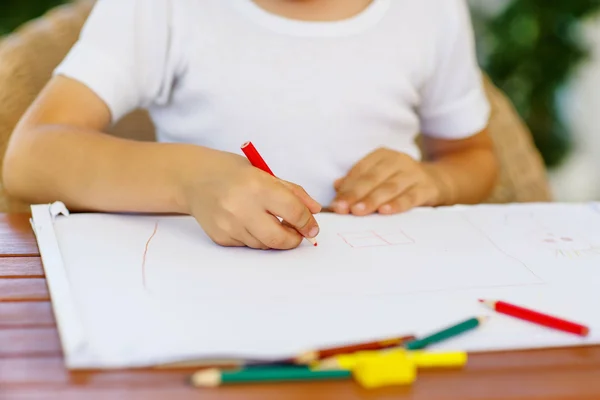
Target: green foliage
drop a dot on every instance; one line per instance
(15, 12)
(532, 49)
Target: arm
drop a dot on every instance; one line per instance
(465, 169)
(58, 152)
(459, 171)
(454, 112)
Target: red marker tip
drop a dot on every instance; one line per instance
(315, 244)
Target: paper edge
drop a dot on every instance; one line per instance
(70, 326)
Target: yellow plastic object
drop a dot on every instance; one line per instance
(421, 358)
(424, 359)
(386, 369)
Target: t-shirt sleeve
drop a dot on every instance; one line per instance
(453, 103)
(125, 54)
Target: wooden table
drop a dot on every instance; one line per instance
(31, 364)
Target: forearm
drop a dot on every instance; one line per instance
(466, 177)
(88, 170)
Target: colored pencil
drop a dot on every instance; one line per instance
(216, 377)
(314, 355)
(255, 158)
(446, 333)
(257, 161)
(536, 317)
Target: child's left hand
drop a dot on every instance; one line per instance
(388, 182)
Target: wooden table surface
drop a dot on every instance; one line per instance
(31, 364)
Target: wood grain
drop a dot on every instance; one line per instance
(23, 289)
(26, 314)
(51, 371)
(21, 267)
(29, 342)
(16, 236)
(32, 370)
(441, 385)
(515, 363)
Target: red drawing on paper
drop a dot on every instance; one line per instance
(145, 254)
(375, 239)
(555, 238)
(570, 247)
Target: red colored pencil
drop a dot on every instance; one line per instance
(257, 161)
(255, 158)
(536, 317)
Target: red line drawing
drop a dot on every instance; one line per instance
(553, 238)
(145, 253)
(375, 239)
(380, 237)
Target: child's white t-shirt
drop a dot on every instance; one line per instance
(313, 97)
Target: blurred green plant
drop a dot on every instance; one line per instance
(530, 50)
(15, 12)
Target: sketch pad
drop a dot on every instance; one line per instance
(134, 291)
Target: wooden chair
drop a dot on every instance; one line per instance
(30, 54)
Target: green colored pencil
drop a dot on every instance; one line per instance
(447, 333)
(215, 377)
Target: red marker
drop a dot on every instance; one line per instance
(536, 317)
(257, 161)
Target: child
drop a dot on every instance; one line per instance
(331, 92)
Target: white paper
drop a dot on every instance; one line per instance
(155, 289)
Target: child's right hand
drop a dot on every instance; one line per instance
(237, 204)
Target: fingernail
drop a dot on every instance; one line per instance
(340, 206)
(386, 208)
(359, 207)
(314, 231)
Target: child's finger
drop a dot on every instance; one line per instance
(384, 193)
(376, 173)
(225, 240)
(355, 188)
(365, 164)
(272, 233)
(308, 201)
(413, 197)
(244, 236)
(338, 183)
(289, 207)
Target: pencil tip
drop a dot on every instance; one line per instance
(312, 241)
(316, 244)
(488, 303)
(585, 331)
(206, 378)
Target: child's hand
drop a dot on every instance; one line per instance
(388, 182)
(237, 204)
